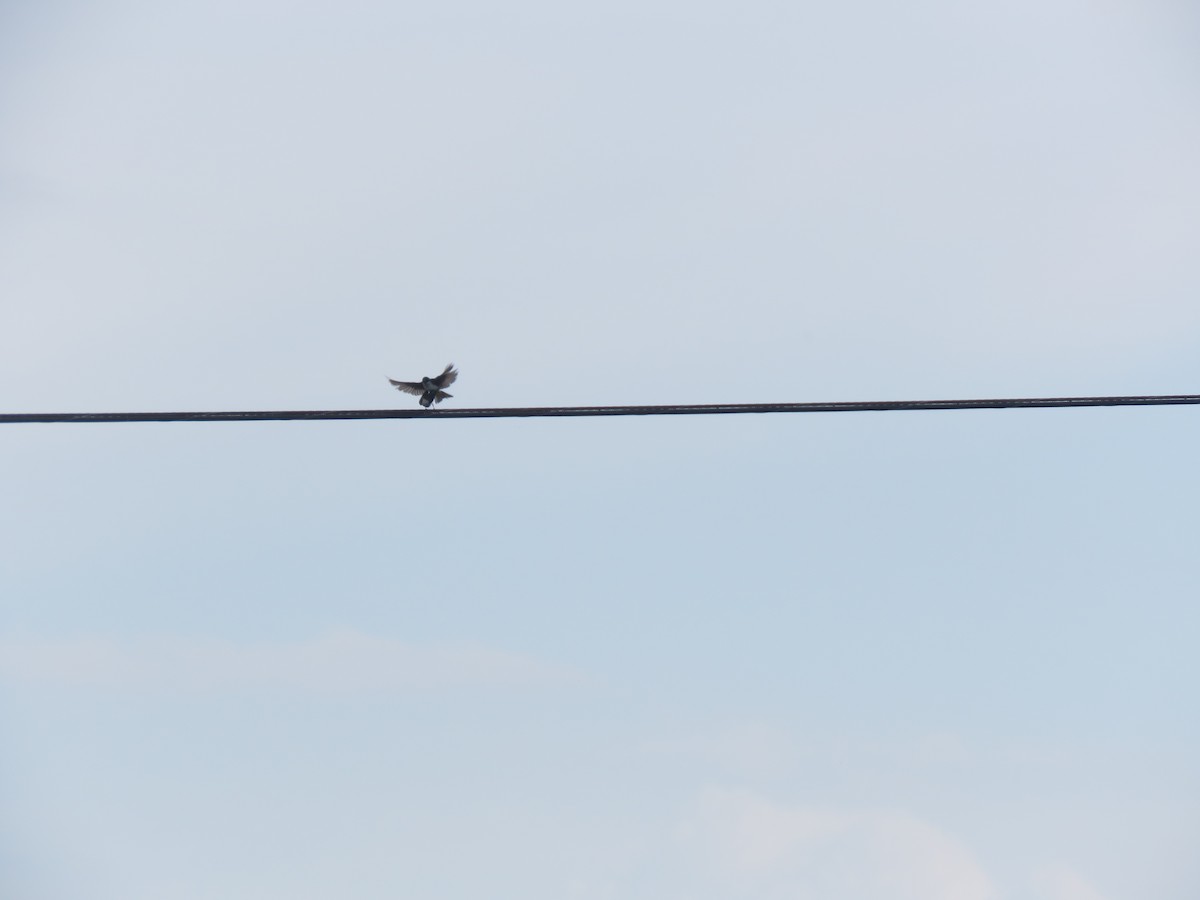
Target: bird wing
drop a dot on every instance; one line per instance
(409, 387)
(447, 378)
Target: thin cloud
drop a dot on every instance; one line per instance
(1062, 882)
(802, 851)
(341, 661)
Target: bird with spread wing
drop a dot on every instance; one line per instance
(430, 390)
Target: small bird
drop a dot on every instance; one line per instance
(430, 390)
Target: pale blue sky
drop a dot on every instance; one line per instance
(904, 656)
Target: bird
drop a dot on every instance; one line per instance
(430, 390)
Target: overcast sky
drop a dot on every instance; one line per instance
(882, 656)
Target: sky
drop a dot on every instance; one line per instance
(877, 656)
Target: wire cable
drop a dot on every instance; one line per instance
(702, 409)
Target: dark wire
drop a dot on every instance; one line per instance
(704, 409)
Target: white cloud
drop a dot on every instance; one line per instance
(1061, 882)
(771, 850)
(339, 661)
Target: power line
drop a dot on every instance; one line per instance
(702, 409)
